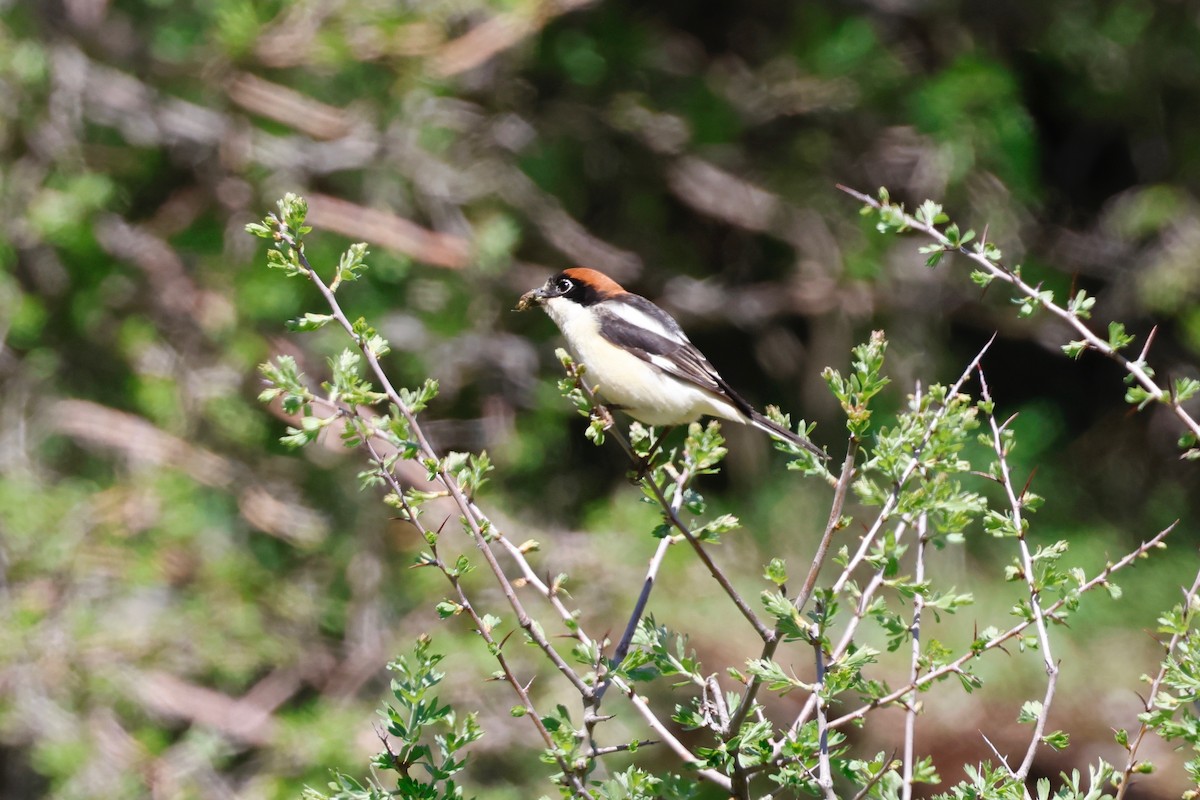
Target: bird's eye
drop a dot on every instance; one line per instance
(563, 285)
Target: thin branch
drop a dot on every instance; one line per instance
(956, 667)
(471, 515)
(475, 524)
(1137, 369)
(999, 639)
(876, 778)
(1027, 567)
(825, 769)
(914, 464)
(639, 703)
(639, 609)
(1189, 600)
(672, 516)
(914, 669)
(620, 748)
(484, 630)
(832, 525)
(772, 644)
(868, 539)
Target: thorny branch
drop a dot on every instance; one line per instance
(868, 539)
(670, 512)
(1189, 601)
(1015, 504)
(955, 666)
(484, 630)
(474, 521)
(1137, 369)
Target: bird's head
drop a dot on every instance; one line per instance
(578, 284)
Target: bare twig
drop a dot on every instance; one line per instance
(620, 748)
(1015, 505)
(914, 669)
(824, 769)
(832, 525)
(639, 608)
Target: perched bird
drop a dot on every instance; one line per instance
(640, 357)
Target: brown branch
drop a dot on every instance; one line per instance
(289, 107)
(497, 34)
(141, 442)
(389, 230)
(248, 719)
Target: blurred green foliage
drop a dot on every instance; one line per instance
(189, 611)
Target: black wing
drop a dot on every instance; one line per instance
(645, 330)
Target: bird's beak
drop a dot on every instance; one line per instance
(531, 298)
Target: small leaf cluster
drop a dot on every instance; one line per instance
(855, 391)
(1172, 711)
(923, 452)
(637, 784)
(427, 741)
(570, 745)
(285, 228)
(574, 387)
(658, 652)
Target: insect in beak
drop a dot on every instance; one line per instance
(531, 298)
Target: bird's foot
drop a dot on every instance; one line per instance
(643, 465)
(605, 416)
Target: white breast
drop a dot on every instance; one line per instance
(643, 391)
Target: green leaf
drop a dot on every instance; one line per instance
(981, 278)
(930, 213)
(1186, 389)
(447, 609)
(309, 322)
(1075, 349)
(1057, 740)
(1081, 305)
(776, 572)
(1118, 339)
(787, 619)
(772, 674)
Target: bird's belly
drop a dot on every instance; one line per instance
(642, 391)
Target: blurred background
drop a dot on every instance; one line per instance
(189, 610)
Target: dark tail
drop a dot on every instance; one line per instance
(780, 432)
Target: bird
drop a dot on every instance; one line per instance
(643, 362)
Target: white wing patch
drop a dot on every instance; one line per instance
(649, 318)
